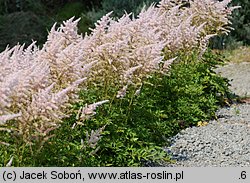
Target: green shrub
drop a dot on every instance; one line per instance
(136, 127)
(119, 145)
(191, 92)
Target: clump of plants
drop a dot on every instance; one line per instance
(77, 100)
(137, 126)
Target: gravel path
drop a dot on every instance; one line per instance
(225, 141)
(239, 74)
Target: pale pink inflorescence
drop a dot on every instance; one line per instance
(129, 49)
(36, 90)
(38, 85)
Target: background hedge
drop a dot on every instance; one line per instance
(24, 20)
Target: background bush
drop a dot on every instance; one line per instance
(47, 12)
(35, 17)
(118, 7)
(241, 24)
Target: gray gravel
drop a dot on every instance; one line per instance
(223, 142)
(239, 74)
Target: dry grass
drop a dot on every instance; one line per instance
(241, 54)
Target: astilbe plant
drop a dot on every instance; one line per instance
(28, 95)
(194, 22)
(35, 91)
(37, 86)
(129, 49)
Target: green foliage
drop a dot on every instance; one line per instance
(136, 127)
(119, 145)
(191, 92)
